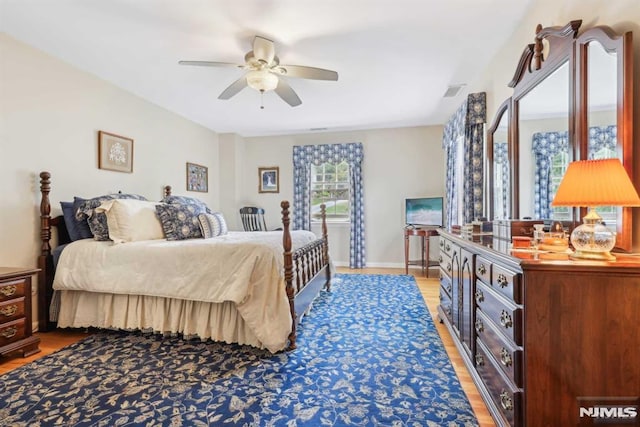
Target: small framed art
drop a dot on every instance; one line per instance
(115, 152)
(269, 179)
(197, 178)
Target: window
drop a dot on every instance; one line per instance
(330, 185)
(559, 164)
(609, 214)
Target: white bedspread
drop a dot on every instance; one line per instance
(244, 268)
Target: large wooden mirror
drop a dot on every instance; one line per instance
(572, 100)
(499, 164)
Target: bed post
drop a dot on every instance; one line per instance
(45, 251)
(288, 271)
(325, 244)
(167, 190)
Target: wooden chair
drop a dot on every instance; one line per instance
(253, 219)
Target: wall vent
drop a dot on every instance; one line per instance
(453, 90)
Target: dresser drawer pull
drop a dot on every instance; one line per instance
(9, 332)
(506, 401)
(440, 259)
(479, 296)
(505, 357)
(505, 319)
(448, 311)
(482, 270)
(479, 326)
(9, 310)
(449, 267)
(502, 280)
(479, 360)
(449, 288)
(7, 291)
(447, 248)
(441, 243)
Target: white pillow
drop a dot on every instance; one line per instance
(131, 220)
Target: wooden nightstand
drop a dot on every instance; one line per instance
(15, 311)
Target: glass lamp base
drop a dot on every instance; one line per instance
(592, 240)
(594, 256)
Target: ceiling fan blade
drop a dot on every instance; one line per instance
(263, 49)
(306, 72)
(234, 88)
(288, 95)
(210, 64)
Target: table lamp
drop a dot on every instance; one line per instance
(591, 183)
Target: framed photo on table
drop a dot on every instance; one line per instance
(115, 152)
(269, 179)
(197, 178)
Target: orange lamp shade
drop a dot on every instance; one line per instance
(596, 183)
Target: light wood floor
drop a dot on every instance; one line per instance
(52, 341)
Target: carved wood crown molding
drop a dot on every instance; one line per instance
(532, 58)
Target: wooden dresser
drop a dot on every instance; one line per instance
(543, 338)
(15, 311)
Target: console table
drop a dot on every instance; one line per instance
(424, 234)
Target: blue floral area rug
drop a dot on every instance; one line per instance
(368, 355)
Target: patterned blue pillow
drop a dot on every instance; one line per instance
(189, 201)
(179, 222)
(82, 225)
(212, 225)
(70, 220)
(98, 221)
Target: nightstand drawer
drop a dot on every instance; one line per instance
(504, 314)
(12, 289)
(10, 310)
(12, 331)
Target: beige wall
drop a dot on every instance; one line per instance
(398, 163)
(50, 117)
(621, 15)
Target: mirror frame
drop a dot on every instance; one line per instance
(504, 108)
(622, 46)
(552, 47)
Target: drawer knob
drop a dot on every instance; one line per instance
(447, 247)
(505, 319)
(441, 244)
(502, 281)
(479, 326)
(482, 269)
(7, 291)
(505, 357)
(479, 360)
(479, 296)
(506, 401)
(9, 332)
(449, 267)
(9, 310)
(440, 259)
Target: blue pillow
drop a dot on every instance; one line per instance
(77, 229)
(188, 201)
(179, 222)
(212, 225)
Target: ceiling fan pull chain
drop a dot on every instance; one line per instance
(262, 99)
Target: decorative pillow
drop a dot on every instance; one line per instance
(130, 220)
(98, 221)
(179, 222)
(73, 225)
(189, 201)
(212, 225)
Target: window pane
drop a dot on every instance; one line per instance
(330, 185)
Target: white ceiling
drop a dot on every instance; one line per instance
(395, 58)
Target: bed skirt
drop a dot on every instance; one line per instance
(161, 315)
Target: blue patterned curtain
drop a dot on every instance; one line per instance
(465, 127)
(306, 155)
(501, 159)
(602, 137)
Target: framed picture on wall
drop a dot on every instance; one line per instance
(197, 178)
(269, 179)
(115, 152)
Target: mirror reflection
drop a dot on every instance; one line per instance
(501, 170)
(544, 148)
(601, 114)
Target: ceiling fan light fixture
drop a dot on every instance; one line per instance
(262, 80)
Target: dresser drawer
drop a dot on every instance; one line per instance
(12, 331)
(446, 284)
(10, 310)
(12, 289)
(446, 246)
(507, 397)
(445, 264)
(483, 269)
(508, 356)
(504, 314)
(507, 283)
(445, 304)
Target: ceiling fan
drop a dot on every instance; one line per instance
(264, 72)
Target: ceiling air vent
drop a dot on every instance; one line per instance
(453, 90)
